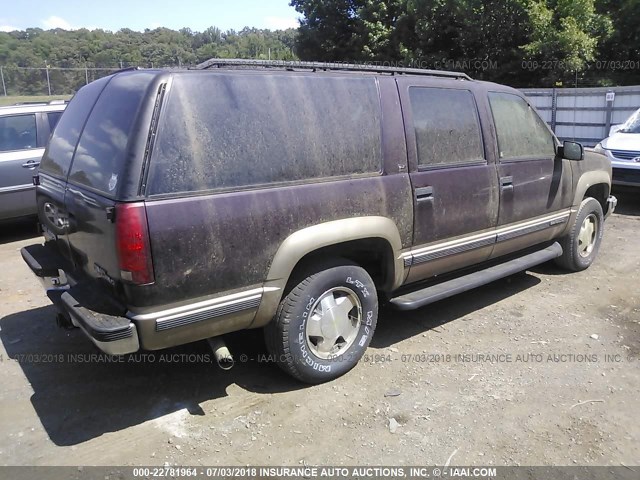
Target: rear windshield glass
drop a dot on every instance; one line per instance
(63, 142)
(101, 153)
(235, 130)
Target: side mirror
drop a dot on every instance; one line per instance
(571, 150)
(614, 129)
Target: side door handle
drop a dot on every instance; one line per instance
(31, 164)
(506, 183)
(424, 194)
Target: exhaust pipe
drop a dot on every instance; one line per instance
(221, 353)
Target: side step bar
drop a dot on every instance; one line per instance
(431, 294)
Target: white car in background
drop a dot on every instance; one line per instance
(622, 146)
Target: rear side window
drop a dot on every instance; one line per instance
(52, 118)
(521, 132)
(18, 132)
(101, 153)
(59, 153)
(227, 131)
(446, 125)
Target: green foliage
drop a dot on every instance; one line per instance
(622, 47)
(521, 42)
(102, 51)
(518, 42)
(567, 32)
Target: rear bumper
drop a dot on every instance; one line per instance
(99, 319)
(112, 334)
(118, 331)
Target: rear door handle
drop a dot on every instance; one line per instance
(31, 164)
(424, 194)
(506, 183)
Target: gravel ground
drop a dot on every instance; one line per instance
(542, 368)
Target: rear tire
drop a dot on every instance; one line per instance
(324, 324)
(580, 246)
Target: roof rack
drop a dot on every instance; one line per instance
(325, 66)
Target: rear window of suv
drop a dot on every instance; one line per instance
(99, 159)
(59, 153)
(222, 131)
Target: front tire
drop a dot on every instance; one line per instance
(324, 324)
(580, 246)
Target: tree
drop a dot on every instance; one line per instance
(565, 35)
(619, 56)
(103, 52)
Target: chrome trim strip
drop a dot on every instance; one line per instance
(426, 257)
(205, 310)
(17, 188)
(502, 237)
(452, 243)
(433, 252)
(546, 221)
(180, 320)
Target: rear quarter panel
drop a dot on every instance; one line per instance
(211, 244)
(216, 243)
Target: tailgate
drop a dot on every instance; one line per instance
(102, 172)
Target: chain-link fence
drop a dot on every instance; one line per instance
(30, 81)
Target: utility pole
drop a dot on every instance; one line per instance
(86, 75)
(48, 81)
(4, 87)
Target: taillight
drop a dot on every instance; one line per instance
(134, 249)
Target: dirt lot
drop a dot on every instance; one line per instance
(542, 368)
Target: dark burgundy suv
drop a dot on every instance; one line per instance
(178, 206)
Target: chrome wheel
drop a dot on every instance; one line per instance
(333, 323)
(587, 236)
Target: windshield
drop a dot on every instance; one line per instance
(632, 125)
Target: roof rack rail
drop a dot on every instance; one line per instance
(324, 66)
(126, 69)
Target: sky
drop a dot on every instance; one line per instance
(140, 14)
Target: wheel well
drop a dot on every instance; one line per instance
(375, 255)
(600, 192)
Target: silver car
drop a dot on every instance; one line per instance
(24, 132)
(622, 146)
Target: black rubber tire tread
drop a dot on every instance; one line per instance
(570, 258)
(277, 332)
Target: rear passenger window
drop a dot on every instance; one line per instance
(17, 132)
(101, 153)
(59, 153)
(52, 118)
(236, 130)
(521, 132)
(446, 125)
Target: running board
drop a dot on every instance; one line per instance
(431, 294)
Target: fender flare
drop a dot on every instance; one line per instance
(587, 180)
(303, 242)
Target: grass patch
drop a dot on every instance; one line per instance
(13, 99)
